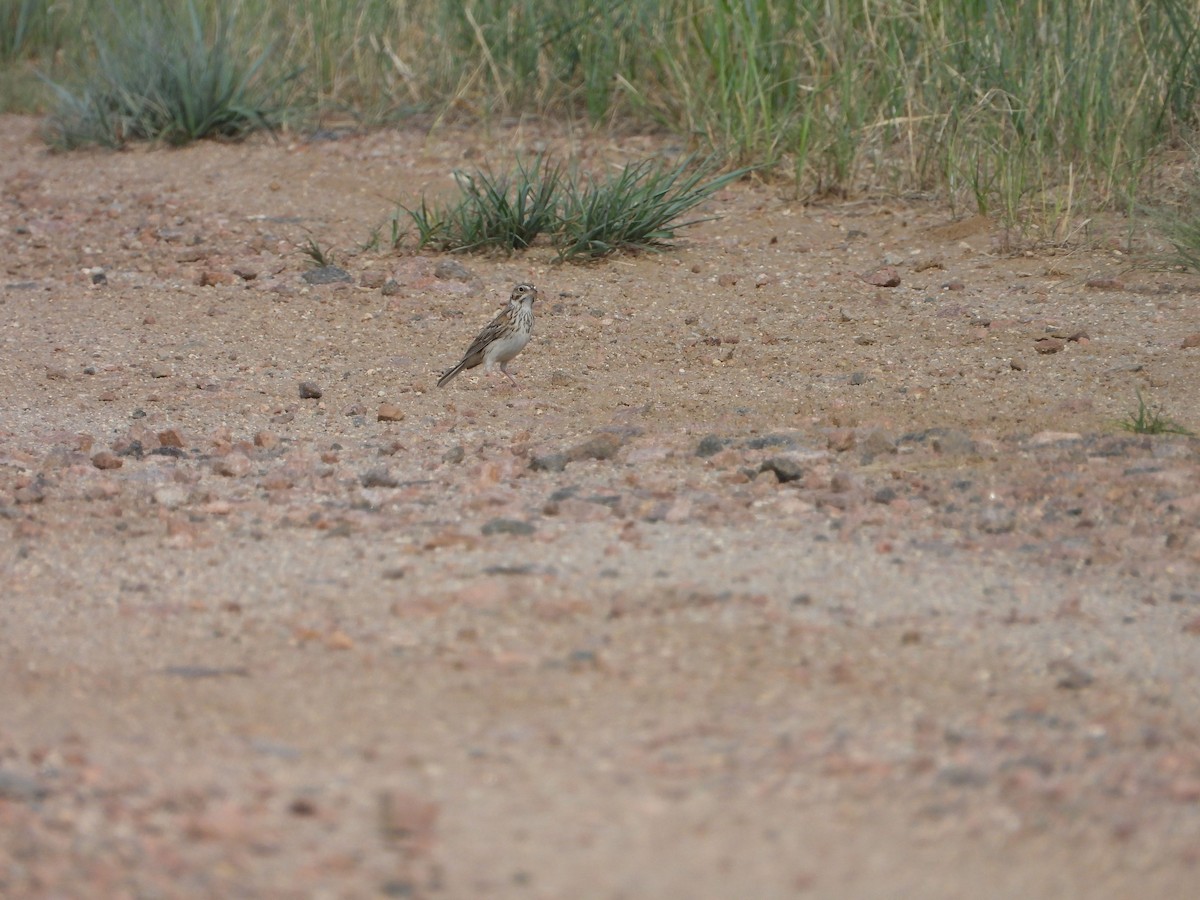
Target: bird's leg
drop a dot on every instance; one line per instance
(504, 370)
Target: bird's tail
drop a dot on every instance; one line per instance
(449, 376)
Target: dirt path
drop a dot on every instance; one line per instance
(770, 582)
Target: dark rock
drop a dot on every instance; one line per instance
(327, 275)
(523, 569)
(710, 445)
(785, 468)
(549, 462)
(309, 390)
(132, 448)
(600, 446)
(508, 526)
(454, 455)
(378, 478)
(766, 441)
(1071, 676)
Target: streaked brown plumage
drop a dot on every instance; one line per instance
(503, 338)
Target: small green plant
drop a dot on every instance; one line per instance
(1151, 420)
(637, 209)
(506, 211)
(318, 257)
(373, 241)
(160, 73)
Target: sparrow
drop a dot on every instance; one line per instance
(503, 338)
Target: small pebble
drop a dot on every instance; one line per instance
(106, 459)
(884, 276)
(389, 412)
(508, 526)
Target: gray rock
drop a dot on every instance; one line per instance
(508, 526)
(786, 468)
(876, 443)
(452, 270)
(770, 440)
(600, 446)
(378, 478)
(549, 462)
(327, 275)
(710, 445)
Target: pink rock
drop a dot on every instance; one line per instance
(389, 412)
(232, 465)
(106, 459)
(885, 276)
(1049, 345)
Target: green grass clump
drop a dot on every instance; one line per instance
(319, 256)
(165, 73)
(639, 208)
(505, 212)
(1151, 420)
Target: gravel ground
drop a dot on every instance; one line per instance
(808, 561)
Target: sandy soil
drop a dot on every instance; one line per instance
(769, 582)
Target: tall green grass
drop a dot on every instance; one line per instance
(173, 73)
(1028, 110)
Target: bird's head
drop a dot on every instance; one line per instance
(522, 292)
